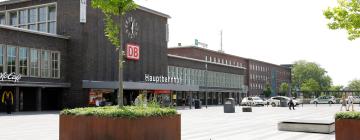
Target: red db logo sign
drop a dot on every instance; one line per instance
(132, 51)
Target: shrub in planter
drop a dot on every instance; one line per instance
(125, 123)
(347, 125)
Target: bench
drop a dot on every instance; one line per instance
(312, 126)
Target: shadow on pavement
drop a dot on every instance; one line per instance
(29, 113)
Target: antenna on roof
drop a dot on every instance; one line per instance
(221, 41)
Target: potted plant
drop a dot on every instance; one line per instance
(347, 125)
(141, 122)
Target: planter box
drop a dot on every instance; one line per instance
(104, 128)
(347, 129)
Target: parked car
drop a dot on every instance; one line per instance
(356, 100)
(323, 100)
(253, 101)
(275, 101)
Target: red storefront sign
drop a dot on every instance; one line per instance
(132, 51)
(161, 91)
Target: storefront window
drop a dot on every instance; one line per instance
(23, 59)
(11, 58)
(34, 62)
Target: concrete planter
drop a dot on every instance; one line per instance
(104, 128)
(347, 129)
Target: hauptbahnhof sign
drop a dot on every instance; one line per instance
(162, 79)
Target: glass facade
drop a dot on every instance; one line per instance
(29, 62)
(206, 78)
(41, 18)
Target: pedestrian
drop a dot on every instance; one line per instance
(350, 102)
(343, 102)
(8, 100)
(189, 101)
(291, 104)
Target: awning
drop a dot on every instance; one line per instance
(138, 86)
(35, 84)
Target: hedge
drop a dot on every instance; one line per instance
(347, 115)
(121, 112)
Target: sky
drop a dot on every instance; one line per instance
(274, 31)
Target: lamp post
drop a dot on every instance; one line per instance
(206, 97)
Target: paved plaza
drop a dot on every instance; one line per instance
(199, 124)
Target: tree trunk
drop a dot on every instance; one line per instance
(120, 74)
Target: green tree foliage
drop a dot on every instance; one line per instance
(345, 16)
(310, 86)
(303, 71)
(267, 90)
(284, 88)
(354, 85)
(115, 9)
(336, 88)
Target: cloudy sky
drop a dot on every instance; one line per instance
(275, 31)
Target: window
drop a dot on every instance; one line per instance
(11, 58)
(55, 64)
(2, 18)
(39, 18)
(13, 19)
(23, 19)
(32, 19)
(1, 58)
(45, 64)
(34, 62)
(23, 59)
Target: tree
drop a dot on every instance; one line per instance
(310, 86)
(354, 85)
(267, 90)
(284, 88)
(303, 71)
(336, 88)
(345, 16)
(115, 9)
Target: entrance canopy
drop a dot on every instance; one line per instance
(139, 86)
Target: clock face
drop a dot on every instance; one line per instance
(131, 27)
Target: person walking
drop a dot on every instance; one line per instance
(8, 100)
(343, 102)
(350, 102)
(291, 104)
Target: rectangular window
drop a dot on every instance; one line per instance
(55, 65)
(11, 59)
(1, 58)
(23, 61)
(45, 64)
(2, 18)
(23, 17)
(52, 13)
(42, 14)
(34, 62)
(13, 19)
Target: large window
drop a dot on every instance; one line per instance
(42, 18)
(11, 59)
(55, 64)
(34, 62)
(45, 64)
(23, 61)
